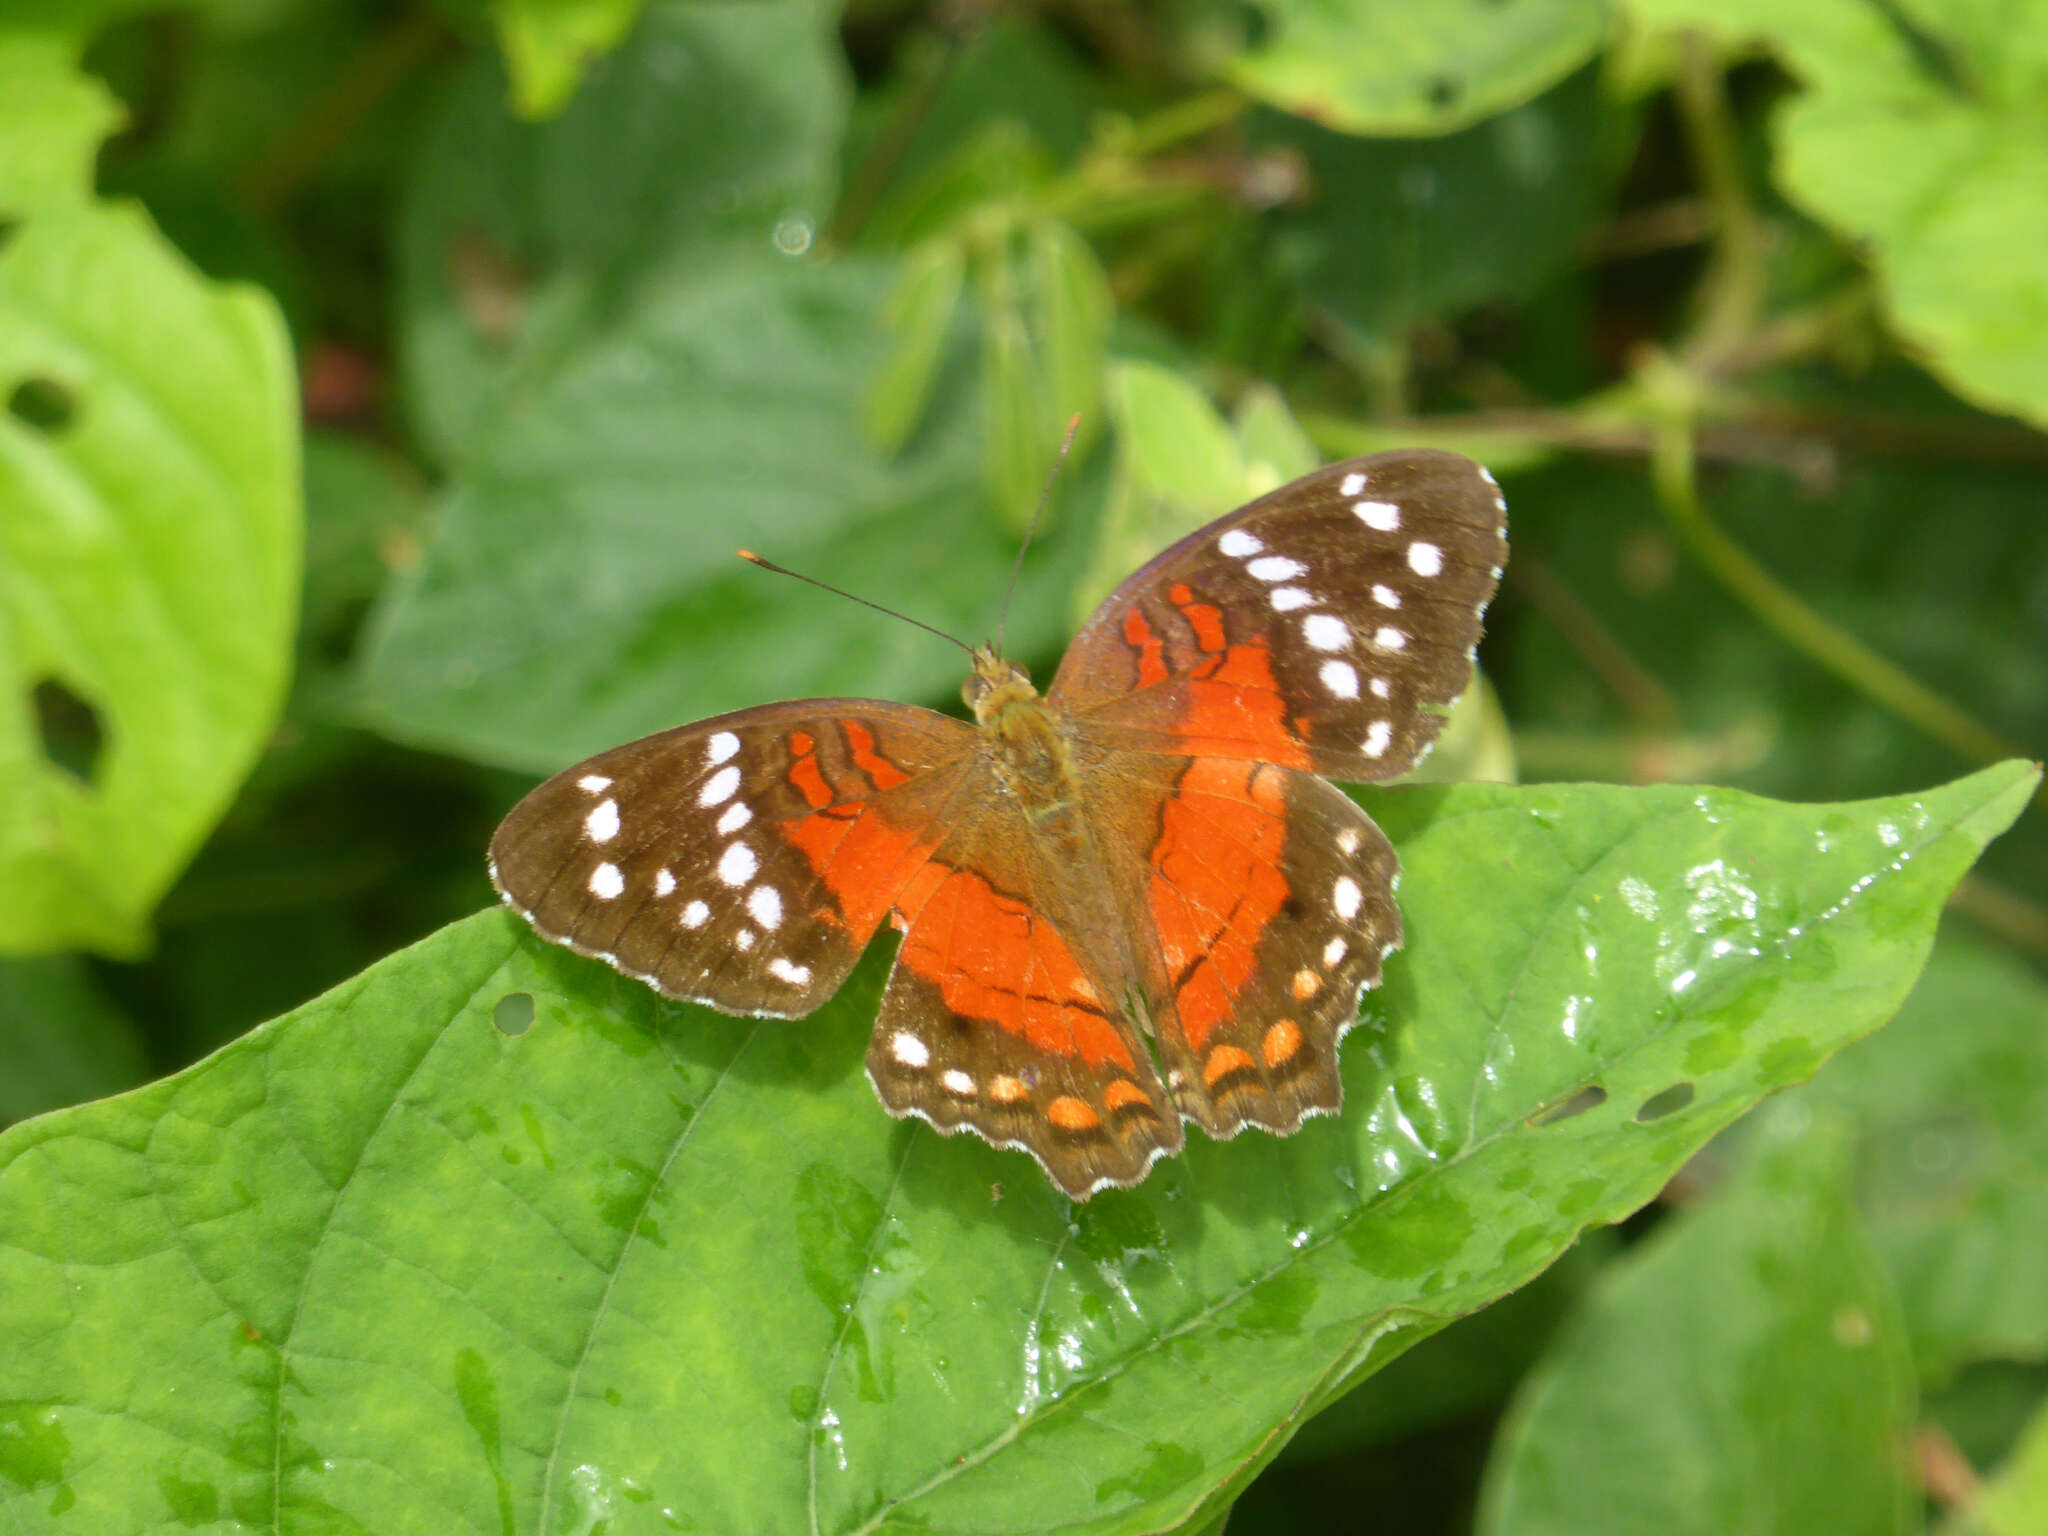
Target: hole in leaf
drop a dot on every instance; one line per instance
(73, 737)
(44, 404)
(1669, 1102)
(1591, 1097)
(1443, 91)
(514, 1013)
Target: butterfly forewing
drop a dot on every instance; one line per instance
(1322, 626)
(743, 861)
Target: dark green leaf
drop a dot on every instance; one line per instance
(1755, 1332)
(648, 1262)
(61, 1041)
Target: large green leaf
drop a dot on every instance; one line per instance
(582, 590)
(1952, 1165)
(493, 1237)
(526, 248)
(149, 522)
(1920, 137)
(1745, 1371)
(1385, 67)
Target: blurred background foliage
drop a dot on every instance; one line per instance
(530, 310)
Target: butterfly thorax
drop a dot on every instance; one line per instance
(1028, 743)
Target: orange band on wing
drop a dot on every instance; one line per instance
(882, 773)
(861, 859)
(982, 949)
(1231, 703)
(1140, 636)
(1216, 884)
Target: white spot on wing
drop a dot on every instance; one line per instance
(1275, 568)
(1335, 951)
(744, 939)
(1387, 638)
(1238, 544)
(1345, 896)
(719, 786)
(1352, 484)
(664, 882)
(1386, 597)
(722, 746)
(1382, 689)
(765, 902)
(606, 882)
(1382, 516)
(1425, 559)
(1287, 599)
(696, 915)
(1347, 840)
(736, 816)
(596, 783)
(1378, 738)
(908, 1049)
(602, 824)
(957, 1081)
(737, 864)
(1341, 678)
(1325, 631)
(795, 975)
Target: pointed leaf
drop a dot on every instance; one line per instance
(918, 315)
(551, 43)
(494, 1234)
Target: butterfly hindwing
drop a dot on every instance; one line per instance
(1322, 626)
(743, 861)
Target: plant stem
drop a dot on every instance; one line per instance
(1673, 471)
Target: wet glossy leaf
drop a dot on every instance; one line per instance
(918, 315)
(551, 43)
(61, 1041)
(1919, 138)
(526, 248)
(148, 464)
(1383, 67)
(1951, 1103)
(1757, 1332)
(648, 1263)
(2014, 1501)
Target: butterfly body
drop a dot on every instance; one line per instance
(1130, 901)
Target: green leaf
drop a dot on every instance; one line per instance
(551, 44)
(1920, 139)
(1384, 67)
(919, 315)
(525, 248)
(413, 1247)
(581, 589)
(2014, 1502)
(1756, 1333)
(56, 118)
(1951, 1103)
(62, 1041)
(149, 557)
(1399, 231)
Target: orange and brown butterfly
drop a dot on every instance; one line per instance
(1134, 900)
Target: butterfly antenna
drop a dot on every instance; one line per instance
(1044, 496)
(783, 570)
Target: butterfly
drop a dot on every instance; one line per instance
(1134, 900)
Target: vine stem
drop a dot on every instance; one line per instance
(1673, 470)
